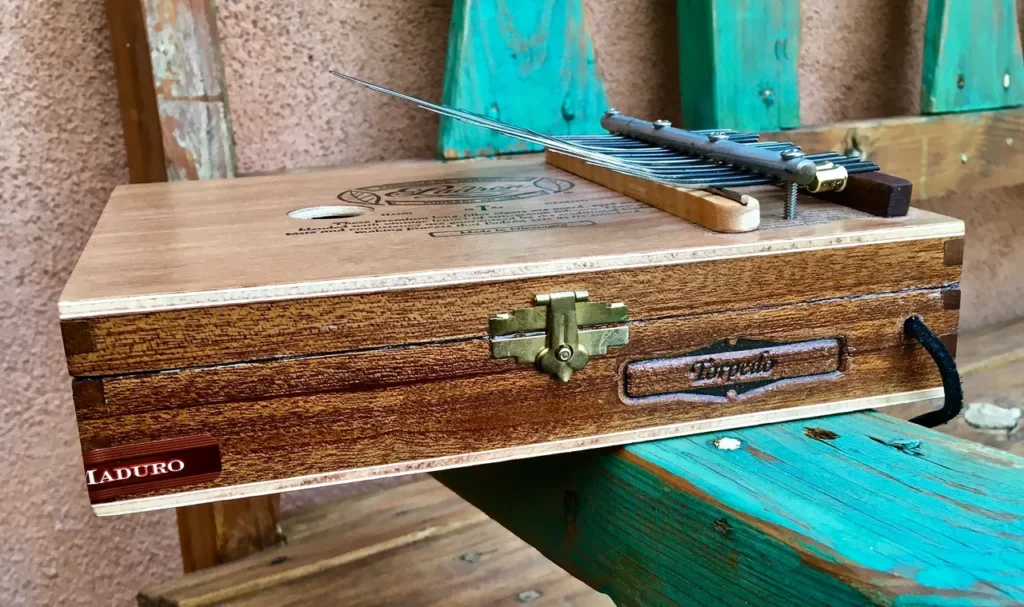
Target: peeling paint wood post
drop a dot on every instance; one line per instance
(844, 510)
(972, 56)
(530, 64)
(175, 118)
(185, 55)
(738, 64)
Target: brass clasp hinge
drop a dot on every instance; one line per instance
(563, 347)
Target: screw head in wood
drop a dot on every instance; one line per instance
(1006, 80)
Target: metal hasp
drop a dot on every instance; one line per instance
(563, 348)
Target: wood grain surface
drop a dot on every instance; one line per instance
(738, 64)
(187, 71)
(263, 330)
(140, 117)
(972, 57)
(880, 194)
(945, 154)
(413, 544)
(303, 419)
(165, 246)
(532, 66)
(858, 509)
(698, 206)
(321, 354)
(219, 532)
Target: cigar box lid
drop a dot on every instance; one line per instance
(355, 257)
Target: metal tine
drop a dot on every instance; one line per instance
(730, 132)
(676, 159)
(739, 180)
(651, 153)
(512, 131)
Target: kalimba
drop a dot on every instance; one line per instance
(242, 337)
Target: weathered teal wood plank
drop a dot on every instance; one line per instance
(846, 510)
(972, 56)
(528, 63)
(737, 63)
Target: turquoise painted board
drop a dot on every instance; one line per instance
(972, 56)
(855, 509)
(738, 64)
(528, 63)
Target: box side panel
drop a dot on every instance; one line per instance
(318, 416)
(229, 334)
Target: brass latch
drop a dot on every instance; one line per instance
(563, 347)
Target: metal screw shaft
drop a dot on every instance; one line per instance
(790, 208)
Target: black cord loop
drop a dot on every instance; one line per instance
(954, 402)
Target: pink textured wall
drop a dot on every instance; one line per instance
(61, 154)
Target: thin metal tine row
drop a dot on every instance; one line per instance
(633, 157)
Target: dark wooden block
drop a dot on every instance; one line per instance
(876, 193)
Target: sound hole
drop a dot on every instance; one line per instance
(327, 212)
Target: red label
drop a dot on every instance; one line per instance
(129, 469)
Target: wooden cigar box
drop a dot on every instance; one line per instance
(257, 335)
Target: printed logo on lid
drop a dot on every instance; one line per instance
(463, 190)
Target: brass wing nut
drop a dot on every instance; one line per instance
(549, 334)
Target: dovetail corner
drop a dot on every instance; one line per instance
(77, 336)
(951, 299)
(953, 252)
(87, 393)
(949, 340)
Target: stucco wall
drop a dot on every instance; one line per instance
(61, 154)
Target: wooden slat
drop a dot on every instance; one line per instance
(219, 532)
(140, 118)
(972, 56)
(938, 154)
(174, 115)
(414, 544)
(844, 510)
(530, 64)
(189, 79)
(737, 62)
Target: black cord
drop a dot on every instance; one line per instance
(915, 327)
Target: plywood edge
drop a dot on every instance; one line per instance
(919, 225)
(694, 205)
(498, 455)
